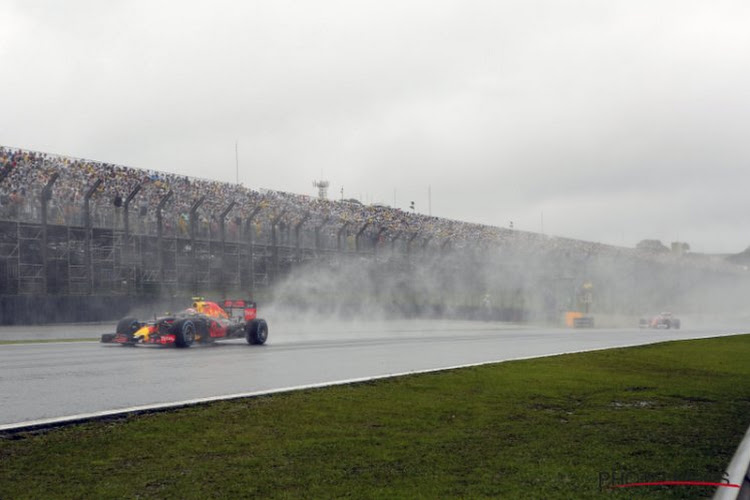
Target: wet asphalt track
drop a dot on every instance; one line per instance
(40, 381)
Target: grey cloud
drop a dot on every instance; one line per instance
(612, 118)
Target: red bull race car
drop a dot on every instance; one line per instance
(204, 322)
(661, 320)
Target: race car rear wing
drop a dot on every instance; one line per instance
(246, 309)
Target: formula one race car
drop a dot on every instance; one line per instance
(662, 320)
(204, 322)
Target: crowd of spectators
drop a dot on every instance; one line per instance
(23, 174)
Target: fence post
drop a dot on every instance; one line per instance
(193, 254)
(426, 242)
(87, 227)
(377, 239)
(45, 196)
(127, 251)
(297, 228)
(275, 245)
(317, 232)
(409, 242)
(250, 243)
(359, 234)
(159, 234)
(338, 236)
(222, 226)
(126, 207)
(395, 238)
(446, 245)
(222, 221)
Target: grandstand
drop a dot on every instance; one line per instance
(79, 228)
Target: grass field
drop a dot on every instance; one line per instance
(556, 427)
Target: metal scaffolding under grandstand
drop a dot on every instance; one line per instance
(47, 258)
(164, 235)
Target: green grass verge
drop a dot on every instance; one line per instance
(46, 341)
(544, 428)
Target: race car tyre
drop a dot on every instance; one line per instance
(667, 325)
(676, 324)
(256, 332)
(127, 326)
(185, 334)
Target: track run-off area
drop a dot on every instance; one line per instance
(42, 383)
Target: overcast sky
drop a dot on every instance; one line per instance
(610, 121)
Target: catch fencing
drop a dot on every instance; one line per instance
(49, 248)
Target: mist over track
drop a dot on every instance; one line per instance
(42, 381)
